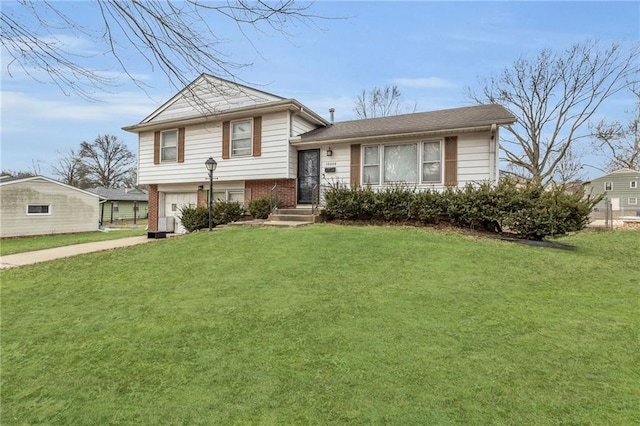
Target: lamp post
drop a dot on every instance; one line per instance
(211, 166)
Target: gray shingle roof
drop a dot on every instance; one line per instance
(120, 194)
(422, 122)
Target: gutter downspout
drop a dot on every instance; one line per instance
(493, 151)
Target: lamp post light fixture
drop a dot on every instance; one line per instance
(211, 165)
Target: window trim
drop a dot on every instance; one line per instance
(364, 156)
(162, 147)
(48, 213)
(232, 154)
(635, 201)
(633, 184)
(610, 186)
(440, 161)
(419, 145)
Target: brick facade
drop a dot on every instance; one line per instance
(153, 208)
(261, 188)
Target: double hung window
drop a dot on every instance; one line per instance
(241, 137)
(169, 146)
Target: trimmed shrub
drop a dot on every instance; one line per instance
(427, 207)
(260, 207)
(393, 204)
(227, 212)
(358, 203)
(529, 210)
(194, 218)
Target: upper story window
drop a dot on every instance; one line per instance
(38, 209)
(241, 137)
(169, 146)
(608, 186)
(633, 184)
(406, 163)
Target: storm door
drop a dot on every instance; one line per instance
(308, 174)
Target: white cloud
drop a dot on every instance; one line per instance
(26, 107)
(425, 83)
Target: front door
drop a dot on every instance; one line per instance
(308, 174)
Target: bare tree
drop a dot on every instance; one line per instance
(18, 173)
(71, 170)
(553, 96)
(107, 160)
(381, 102)
(570, 168)
(177, 38)
(620, 143)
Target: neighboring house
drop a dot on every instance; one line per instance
(121, 204)
(264, 143)
(621, 188)
(41, 206)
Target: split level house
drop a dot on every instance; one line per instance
(265, 144)
(621, 190)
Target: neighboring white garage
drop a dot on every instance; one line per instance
(41, 206)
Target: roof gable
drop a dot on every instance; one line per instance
(5, 182)
(209, 95)
(120, 194)
(615, 173)
(406, 124)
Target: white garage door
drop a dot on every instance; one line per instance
(174, 202)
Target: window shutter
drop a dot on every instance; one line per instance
(355, 164)
(181, 145)
(257, 136)
(226, 129)
(156, 148)
(451, 161)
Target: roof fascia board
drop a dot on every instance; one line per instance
(284, 105)
(394, 136)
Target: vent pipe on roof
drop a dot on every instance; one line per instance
(331, 112)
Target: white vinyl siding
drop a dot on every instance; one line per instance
(61, 209)
(209, 95)
(204, 141)
(475, 161)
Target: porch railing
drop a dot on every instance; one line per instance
(274, 198)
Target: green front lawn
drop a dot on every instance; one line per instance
(326, 325)
(21, 245)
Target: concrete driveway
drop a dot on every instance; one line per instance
(31, 257)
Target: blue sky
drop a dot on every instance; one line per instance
(431, 50)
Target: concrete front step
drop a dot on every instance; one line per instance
(292, 218)
(293, 215)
